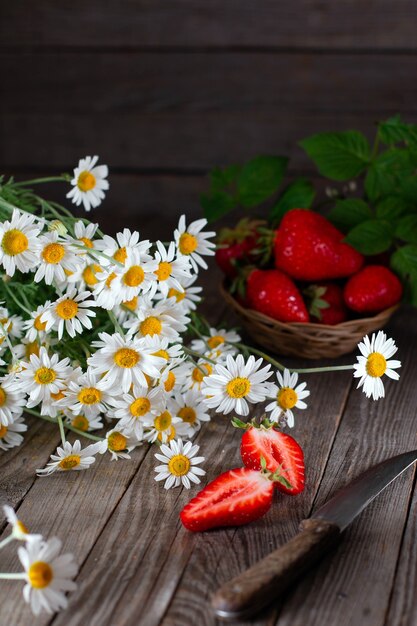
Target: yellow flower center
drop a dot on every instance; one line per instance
(188, 243)
(80, 422)
(126, 357)
(58, 396)
(67, 309)
(86, 181)
(376, 365)
(69, 462)
(215, 341)
(287, 398)
(163, 354)
(31, 348)
(40, 326)
(89, 274)
(89, 395)
(116, 442)
(164, 270)
(110, 279)
(163, 421)
(3, 396)
(45, 376)
(140, 407)
(170, 381)
(87, 242)
(14, 242)
(53, 253)
(197, 375)
(3, 431)
(187, 414)
(131, 304)
(151, 326)
(134, 276)
(238, 387)
(179, 465)
(40, 575)
(178, 295)
(21, 527)
(120, 255)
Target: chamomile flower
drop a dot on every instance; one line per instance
(12, 401)
(41, 377)
(125, 242)
(172, 269)
(48, 575)
(217, 343)
(164, 427)
(193, 243)
(34, 327)
(89, 183)
(289, 396)
(190, 408)
(85, 277)
(123, 361)
(118, 444)
(160, 346)
(84, 422)
(19, 243)
(72, 311)
(374, 362)
(10, 436)
(83, 397)
(164, 319)
(179, 464)
(174, 375)
(138, 276)
(105, 292)
(12, 324)
(236, 384)
(84, 233)
(189, 296)
(197, 373)
(19, 530)
(133, 408)
(71, 457)
(127, 310)
(56, 257)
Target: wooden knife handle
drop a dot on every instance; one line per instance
(251, 591)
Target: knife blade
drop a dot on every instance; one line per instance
(249, 592)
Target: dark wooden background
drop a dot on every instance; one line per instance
(165, 90)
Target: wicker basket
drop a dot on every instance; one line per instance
(311, 341)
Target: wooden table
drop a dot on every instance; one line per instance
(138, 566)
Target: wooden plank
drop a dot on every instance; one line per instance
(219, 556)
(187, 112)
(352, 585)
(194, 23)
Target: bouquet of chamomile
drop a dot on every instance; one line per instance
(92, 339)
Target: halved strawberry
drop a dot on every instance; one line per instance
(280, 451)
(234, 498)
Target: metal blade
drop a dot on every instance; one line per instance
(343, 507)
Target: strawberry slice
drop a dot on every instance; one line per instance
(234, 498)
(280, 451)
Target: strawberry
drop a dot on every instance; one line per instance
(308, 247)
(273, 293)
(372, 290)
(236, 245)
(327, 305)
(237, 497)
(280, 451)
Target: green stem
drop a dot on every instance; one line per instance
(268, 358)
(115, 323)
(83, 433)
(198, 355)
(13, 297)
(199, 335)
(38, 181)
(6, 541)
(13, 576)
(314, 370)
(51, 420)
(61, 430)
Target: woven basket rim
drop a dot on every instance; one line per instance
(350, 324)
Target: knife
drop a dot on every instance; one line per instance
(249, 592)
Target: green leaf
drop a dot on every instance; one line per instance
(297, 195)
(259, 179)
(221, 179)
(406, 229)
(339, 156)
(370, 237)
(386, 172)
(216, 204)
(392, 207)
(404, 260)
(349, 213)
(394, 130)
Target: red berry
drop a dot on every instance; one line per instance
(279, 451)
(236, 245)
(372, 290)
(308, 247)
(334, 310)
(273, 293)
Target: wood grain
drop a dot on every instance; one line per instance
(190, 112)
(352, 586)
(143, 23)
